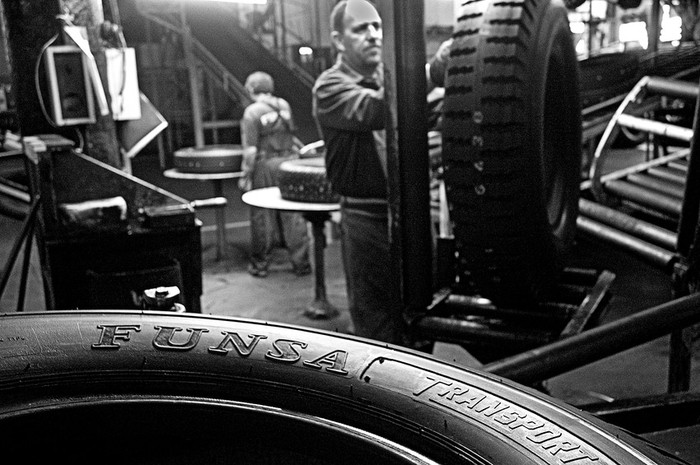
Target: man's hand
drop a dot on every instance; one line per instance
(245, 182)
(437, 66)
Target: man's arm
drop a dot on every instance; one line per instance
(343, 104)
(249, 141)
(249, 155)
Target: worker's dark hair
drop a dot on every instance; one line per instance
(338, 16)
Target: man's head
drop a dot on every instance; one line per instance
(357, 34)
(259, 83)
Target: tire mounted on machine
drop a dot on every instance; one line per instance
(512, 146)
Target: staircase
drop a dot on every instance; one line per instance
(227, 53)
(639, 207)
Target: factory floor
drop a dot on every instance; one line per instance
(282, 297)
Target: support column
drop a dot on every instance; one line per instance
(654, 27)
(407, 148)
(386, 12)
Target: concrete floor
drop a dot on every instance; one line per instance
(282, 297)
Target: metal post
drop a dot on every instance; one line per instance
(680, 359)
(414, 184)
(691, 200)
(680, 350)
(283, 24)
(318, 40)
(591, 28)
(654, 28)
(275, 38)
(192, 72)
(386, 11)
(25, 268)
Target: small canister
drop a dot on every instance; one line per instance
(162, 298)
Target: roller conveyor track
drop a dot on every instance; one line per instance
(639, 208)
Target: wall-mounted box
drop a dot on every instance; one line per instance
(69, 85)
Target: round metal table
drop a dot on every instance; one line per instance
(217, 180)
(316, 214)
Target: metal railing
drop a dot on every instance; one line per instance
(282, 33)
(212, 67)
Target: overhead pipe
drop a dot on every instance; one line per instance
(595, 344)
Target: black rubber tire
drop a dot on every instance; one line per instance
(221, 158)
(305, 180)
(512, 146)
(154, 387)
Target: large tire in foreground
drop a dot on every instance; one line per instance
(512, 145)
(147, 387)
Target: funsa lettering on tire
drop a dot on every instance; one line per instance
(166, 338)
(539, 435)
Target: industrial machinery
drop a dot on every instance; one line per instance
(104, 236)
(511, 143)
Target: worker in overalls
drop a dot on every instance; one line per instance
(267, 136)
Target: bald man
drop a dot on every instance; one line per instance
(349, 109)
